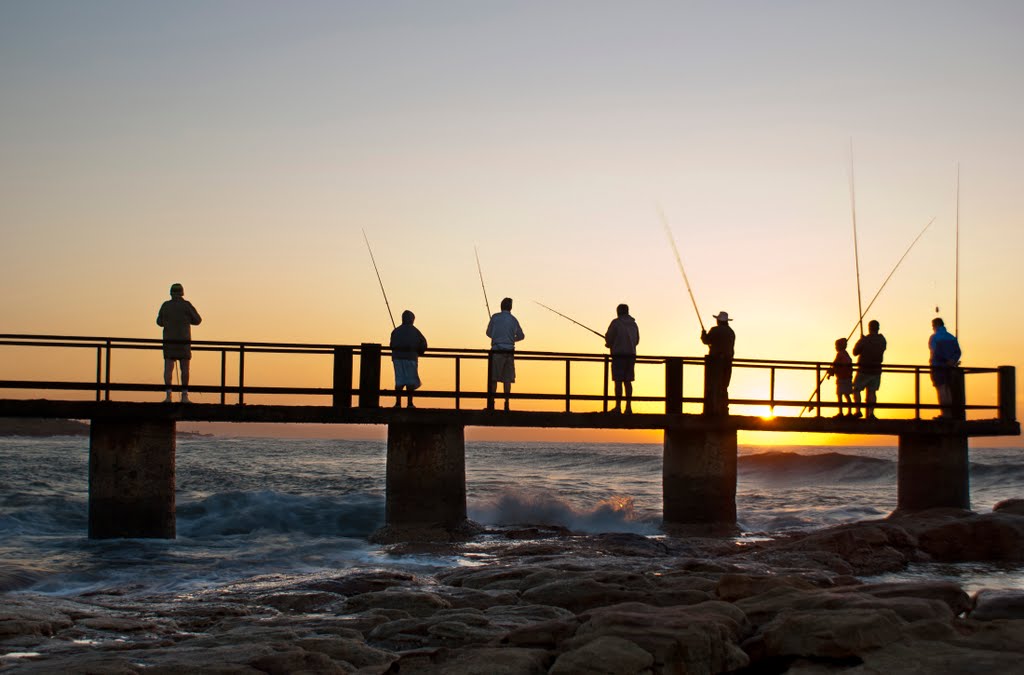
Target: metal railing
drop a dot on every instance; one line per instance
(368, 393)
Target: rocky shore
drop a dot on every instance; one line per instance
(541, 600)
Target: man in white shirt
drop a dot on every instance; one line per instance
(504, 331)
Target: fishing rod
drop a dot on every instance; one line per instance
(956, 311)
(672, 240)
(482, 287)
(383, 292)
(600, 335)
(860, 321)
(856, 253)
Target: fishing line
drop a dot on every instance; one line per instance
(686, 280)
(482, 287)
(860, 321)
(383, 292)
(600, 335)
(856, 253)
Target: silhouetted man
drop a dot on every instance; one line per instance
(504, 331)
(721, 342)
(622, 337)
(407, 345)
(868, 350)
(176, 317)
(944, 358)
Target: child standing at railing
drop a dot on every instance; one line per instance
(842, 368)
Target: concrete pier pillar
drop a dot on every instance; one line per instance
(131, 479)
(933, 471)
(699, 478)
(426, 483)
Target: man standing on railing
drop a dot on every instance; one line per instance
(407, 345)
(721, 342)
(504, 331)
(868, 350)
(945, 357)
(176, 317)
(622, 337)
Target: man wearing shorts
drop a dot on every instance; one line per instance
(504, 331)
(622, 337)
(176, 317)
(868, 350)
(407, 345)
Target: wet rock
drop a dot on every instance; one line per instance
(987, 537)
(359, 583)
(514, 616)
(416, 603)
(543, 634)
(938, 657)
(732, 587)
(120, 624)
(692, 639)
(355, 652)
(762, 609)
(868, 548)
(471, 597)
(990, 605)
(834, 634)
(300, 601)
(629, 544)
(946, 591)
(448, 628)
(297, 660)
(578, 594)
(17, 619)
(609, 655)
(479, 661)
(1012, 506)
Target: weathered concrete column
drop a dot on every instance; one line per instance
(933, 471)
(131, 479)
(699, 477)
(426, 483)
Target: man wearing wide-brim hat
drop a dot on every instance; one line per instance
(721, 342)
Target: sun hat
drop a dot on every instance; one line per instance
(722, 316)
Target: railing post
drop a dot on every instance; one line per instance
(223, 376)
(957, 393)
(1007, 393)
(607, 359)
(567, 396)
(342, 377)
(917, 393)
(369, 375)
(673, 385)
(106, 393)
(492, 386)
(99, 371)
(241, 374)
(817, 389)
(458, 382)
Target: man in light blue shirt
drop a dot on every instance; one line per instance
(504, 331)
(944, 358)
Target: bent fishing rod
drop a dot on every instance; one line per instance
(860, 321)
(569, 318)
(482, 287)
(383, 292)
(686, 280)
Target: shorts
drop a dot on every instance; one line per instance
(406, 373)
(503, 367)
(869, 381)
(844, 387)
(623, 367)
(180, 351)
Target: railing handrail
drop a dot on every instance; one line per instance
(434, 352)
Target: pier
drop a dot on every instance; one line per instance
(132, 440)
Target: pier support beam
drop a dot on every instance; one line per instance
(933, 472)
(426, 484)
(131, 479)
(699, 478)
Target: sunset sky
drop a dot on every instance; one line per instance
(241, 148)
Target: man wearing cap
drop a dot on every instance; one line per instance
(176, 317)
(721, 342)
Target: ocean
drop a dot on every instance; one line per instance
(258, 506)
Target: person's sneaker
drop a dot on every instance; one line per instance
(184, 397)
(167, 398)
(856, 414)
